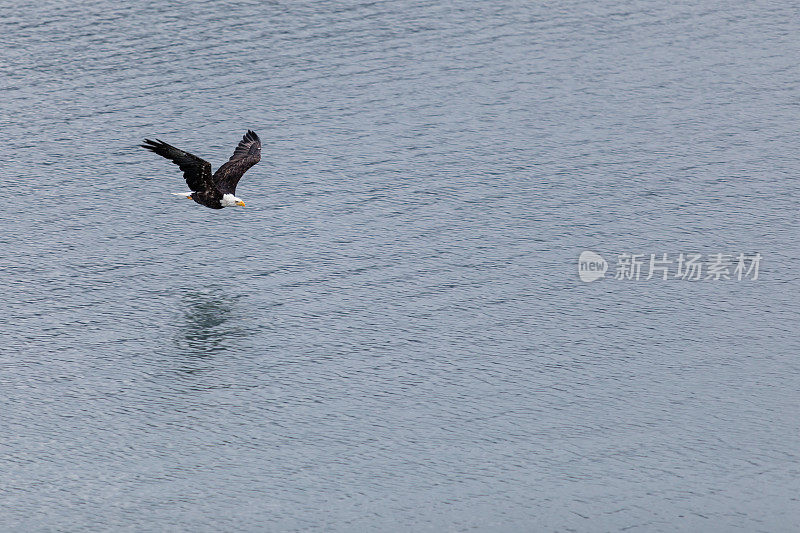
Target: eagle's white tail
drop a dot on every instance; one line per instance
(183, 194)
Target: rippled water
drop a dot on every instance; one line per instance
(392, 335)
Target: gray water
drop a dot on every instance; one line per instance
(392, 335)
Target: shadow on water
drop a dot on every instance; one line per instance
(207, 328)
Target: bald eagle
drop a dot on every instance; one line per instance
(215, 191)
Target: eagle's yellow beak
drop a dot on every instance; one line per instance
(240, 203)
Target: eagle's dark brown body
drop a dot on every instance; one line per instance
(212, 199)
(212, 191)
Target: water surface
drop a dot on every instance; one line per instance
(392, 335)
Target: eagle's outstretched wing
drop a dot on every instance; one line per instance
(247, 154)
(196, 171)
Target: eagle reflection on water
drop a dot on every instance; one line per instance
(205, 329)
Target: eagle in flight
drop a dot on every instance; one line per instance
(218, 190)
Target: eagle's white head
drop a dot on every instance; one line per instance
(229, 200)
